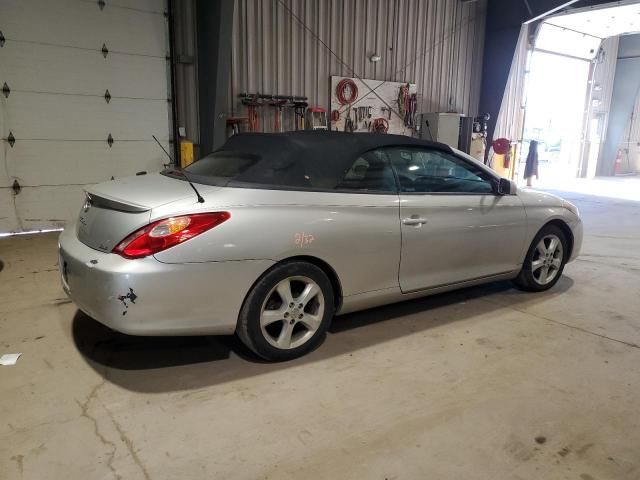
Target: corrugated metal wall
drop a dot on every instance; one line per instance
(631, 141)
(509, 122)
(437, 44)
(603, 77)
(630, 144)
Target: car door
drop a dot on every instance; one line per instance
(454, 226)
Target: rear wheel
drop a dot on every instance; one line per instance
(545, 260)
(287, 312)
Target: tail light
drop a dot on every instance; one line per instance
(163, 234)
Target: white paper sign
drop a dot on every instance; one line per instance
(9, 359)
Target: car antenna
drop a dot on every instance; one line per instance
(200, 199)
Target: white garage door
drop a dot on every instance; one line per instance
(57, 61)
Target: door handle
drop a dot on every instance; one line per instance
(417, 221)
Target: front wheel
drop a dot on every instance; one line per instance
(545, 260)
(287, 312)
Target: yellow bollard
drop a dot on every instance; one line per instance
(186, 153)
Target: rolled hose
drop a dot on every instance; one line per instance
(341, 90)
(380, 125)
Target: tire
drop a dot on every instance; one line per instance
(533, 277)
(287, 312)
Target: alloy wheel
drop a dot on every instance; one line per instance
(292, 312)
(547, 259)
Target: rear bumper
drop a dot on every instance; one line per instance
(148, 297)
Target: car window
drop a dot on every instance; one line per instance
(223, 164)
(433, 171)
(370, 172)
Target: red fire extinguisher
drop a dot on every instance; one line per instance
(618, 165)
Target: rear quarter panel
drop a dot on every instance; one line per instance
(358, 235)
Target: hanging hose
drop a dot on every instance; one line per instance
(341, 91)
(407, 105)
(403, 99)
(410, 115)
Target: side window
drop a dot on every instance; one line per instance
(433, 171)
(369, 172)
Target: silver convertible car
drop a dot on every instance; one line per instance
(273, 235)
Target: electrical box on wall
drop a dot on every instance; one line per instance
(454, 129)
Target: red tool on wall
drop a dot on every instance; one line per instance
(502, 146)
(380, 125)
(282, 104)
(278, 105)
(252, 104)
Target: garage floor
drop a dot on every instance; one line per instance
(486, 383)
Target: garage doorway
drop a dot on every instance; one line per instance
(556, 97)
(579, 88)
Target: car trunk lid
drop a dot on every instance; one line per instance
(145, 191)
(112, 210)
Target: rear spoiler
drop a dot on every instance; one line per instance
(110, 204)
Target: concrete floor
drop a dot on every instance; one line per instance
(486, 383)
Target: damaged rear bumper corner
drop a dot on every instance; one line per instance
(147, 297)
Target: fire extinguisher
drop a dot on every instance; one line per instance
(618, 164)
(507, 159)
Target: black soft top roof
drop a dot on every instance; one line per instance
(305, 159)
(320, 145)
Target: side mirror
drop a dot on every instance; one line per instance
(504, 187)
